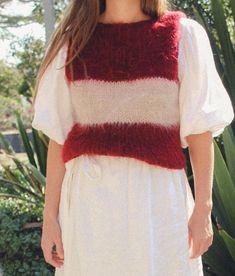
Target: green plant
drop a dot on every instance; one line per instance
(25, 181)
(221, 254)
(22, 188)
(20, 234)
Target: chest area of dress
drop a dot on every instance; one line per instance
(128, 54)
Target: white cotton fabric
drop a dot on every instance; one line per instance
(53, 112)
(204, 103)
(121, 216)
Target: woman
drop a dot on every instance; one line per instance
(139, 84)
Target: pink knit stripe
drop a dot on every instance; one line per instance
(147, 100)
(151, 143)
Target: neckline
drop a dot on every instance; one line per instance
(126, 24)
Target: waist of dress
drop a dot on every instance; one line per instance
(148, 142)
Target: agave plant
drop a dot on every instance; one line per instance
(221, 254)
(25, 180)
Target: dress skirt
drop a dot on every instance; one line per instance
(121, 216)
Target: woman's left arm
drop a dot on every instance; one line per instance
(201, 151)
(205, 110)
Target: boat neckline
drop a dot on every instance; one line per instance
(134, 23)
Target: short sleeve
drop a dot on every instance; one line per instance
(203, 101)
(53, 112)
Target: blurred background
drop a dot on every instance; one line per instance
(25, 28)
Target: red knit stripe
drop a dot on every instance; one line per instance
(150, 50)
(148, 142)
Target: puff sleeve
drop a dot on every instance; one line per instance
(203, 101)
(53, 112)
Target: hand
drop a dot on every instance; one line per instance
(200, 232)
(51, 235)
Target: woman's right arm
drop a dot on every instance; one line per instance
(51, 234)
(54, 116)
(54, 178)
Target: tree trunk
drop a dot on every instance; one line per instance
(49, 18)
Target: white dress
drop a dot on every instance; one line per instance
(120, 216)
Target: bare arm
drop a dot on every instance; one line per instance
(51, 234)
(55, 175)
(201, 151)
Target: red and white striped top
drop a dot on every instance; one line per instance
(127, 106)
(129, 102)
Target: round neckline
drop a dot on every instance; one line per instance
(127, 24)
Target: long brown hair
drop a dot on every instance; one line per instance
(77, 25)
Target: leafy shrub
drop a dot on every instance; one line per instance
(20, 250)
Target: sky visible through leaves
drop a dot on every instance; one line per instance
(35, 29)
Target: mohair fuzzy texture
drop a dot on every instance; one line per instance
(117, 52)
(151, 143)
(125, 54)
(148, 100)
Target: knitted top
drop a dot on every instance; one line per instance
(128, 104)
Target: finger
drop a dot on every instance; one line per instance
(57, 258)
(211, 239)
(55, 255)
(54, 262)
(195, 248)
(59, 261)
(205, 246)
(201, 251)
(198, 248)
(59, 248)
(48, 256)
(189, 239)
(190, 242)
